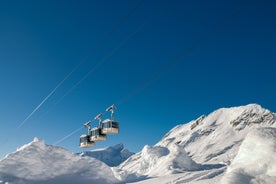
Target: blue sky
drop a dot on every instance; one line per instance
(163, 62)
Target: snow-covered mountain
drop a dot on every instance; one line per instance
(112, 156)
(255, 163)
(231, 145)
(201, 149)
(216, 138)
(37, 162)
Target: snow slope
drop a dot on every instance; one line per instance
(155, 161)
(198, 151)
(37, 162)
(190, 177)
(216, 138)
(112, 156)
(255, 161)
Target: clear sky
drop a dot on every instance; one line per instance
(162, 62)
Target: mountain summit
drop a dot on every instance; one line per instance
(216, 138)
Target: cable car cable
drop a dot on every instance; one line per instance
(67, 136)
(98, 65)
(97, 47)
(168, 66)
(73, 132)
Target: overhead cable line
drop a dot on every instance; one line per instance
(75, 131)
(172, 63)
(100, 63)
(67, 136)
(97, 47)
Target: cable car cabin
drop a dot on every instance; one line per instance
(110, 126)
(85, 141)
(96, 135)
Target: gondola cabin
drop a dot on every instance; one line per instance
(85, 141)
(96, 135)
(110, 126)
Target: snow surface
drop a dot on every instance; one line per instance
(37, 162)
(230, 145)
(255, 161)
(194, 177)
(216, 138)
(112, 156)
(156, 161)
(199, 151)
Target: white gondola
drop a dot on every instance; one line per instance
(85, 139)
(96, 133)
(110, 126)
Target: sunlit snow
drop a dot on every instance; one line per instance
(231, 145)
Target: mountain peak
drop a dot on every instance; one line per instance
(36, 142)
(253, 114)
(36, 139)
(218, 133)
(118, 147)
(256, 108)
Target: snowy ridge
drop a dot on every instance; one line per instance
(220, 133)
(251, 116)
(37, 162)
(112, 156)
(36, 140)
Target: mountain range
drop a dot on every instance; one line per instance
(230, 145)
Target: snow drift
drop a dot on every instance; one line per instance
(156, 161)
(255, 161)
(112, 156)
(37, 162)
